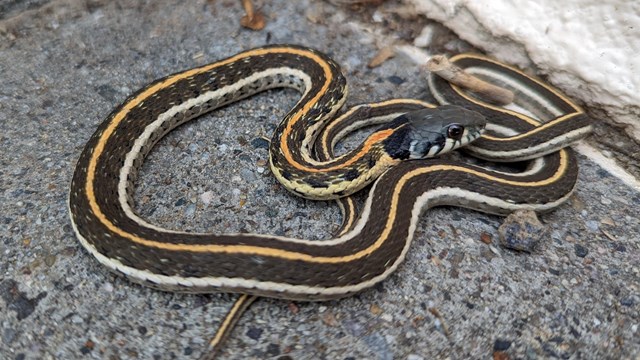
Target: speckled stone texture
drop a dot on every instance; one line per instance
(65, 64)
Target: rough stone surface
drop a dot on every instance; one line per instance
(65, 64)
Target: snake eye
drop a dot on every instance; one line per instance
(455, 131)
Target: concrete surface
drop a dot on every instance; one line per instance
(65, 64)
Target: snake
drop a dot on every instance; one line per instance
(374, 240)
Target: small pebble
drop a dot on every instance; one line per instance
(247, 175)
(580, 250)
(86, 349)
(521, 231)
(49, 260)
(329, 319)
(190, 210)
(424, 39)
(353, 62)
(377, 16)
(293, 307)
(378, 344)
(468, 241)
(206, 197)
(8, 335)
(375, 309)
(273, 349)
(627, 302)
(501, 345)
(354, 328)
(254, 333)
(485, 237)
(260, 143)
(396, 80)
(592, 225)
(554, 271)
(271, 212)
(607, 221)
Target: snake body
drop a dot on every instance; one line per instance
(370, 248)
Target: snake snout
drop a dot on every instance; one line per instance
(442, 129)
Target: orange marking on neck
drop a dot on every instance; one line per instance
(368, 144)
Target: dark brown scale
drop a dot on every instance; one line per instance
(316, 182)
(287, 175)
(351, 174)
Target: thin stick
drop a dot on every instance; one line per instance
(441, 66)
(437, 314)
(253, 20)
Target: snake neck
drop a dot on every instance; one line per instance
(346, 174)
(414, 135)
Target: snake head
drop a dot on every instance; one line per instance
(429, 132)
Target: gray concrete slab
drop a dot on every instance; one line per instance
(65, 64)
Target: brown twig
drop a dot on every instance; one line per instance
(253, 20)
(383, 55)
(441, 66)
(437, 314)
